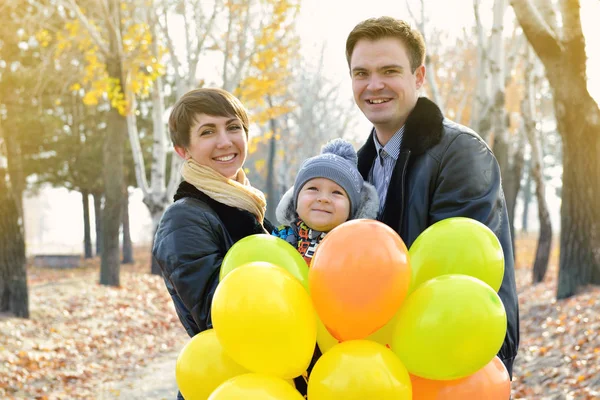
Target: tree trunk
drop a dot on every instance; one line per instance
(15, 169)
(526, 200)
(544, 245)
(512, 183)
(270, 187)
(580, 213)
(578, 121)
(154, 267)
(87, 237)
(127, 245)
(98, 220)
(499, 127)
(14, 297)
(528, 107)
(116, 133)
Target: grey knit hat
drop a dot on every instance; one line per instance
(338, 162)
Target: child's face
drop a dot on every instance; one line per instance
(323, 204)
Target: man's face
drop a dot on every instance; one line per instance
(384, 86)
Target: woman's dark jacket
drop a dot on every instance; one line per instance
(193, 236)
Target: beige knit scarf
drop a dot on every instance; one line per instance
(234, 193)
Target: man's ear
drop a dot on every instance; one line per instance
(420, 76)
(182, 152)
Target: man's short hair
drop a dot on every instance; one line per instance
(210, 101)
(387, 27)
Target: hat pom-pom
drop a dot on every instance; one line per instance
(342, 148)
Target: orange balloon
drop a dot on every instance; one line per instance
(358, 278)
(492, 382)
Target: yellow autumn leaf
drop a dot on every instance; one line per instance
(259, 165)
(90, 99)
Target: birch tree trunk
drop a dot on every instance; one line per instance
(480, 120)
(429, 68)
(526, 199)
(499, 128)
(98, 220)
(272, 197)
(542, 253)
(127, 247)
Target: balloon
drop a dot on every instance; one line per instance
(382, 336)
(255, 387)
(492, 382)
(263, 247)
(457, 246)
(359, 370)
(358, 278)
(264, 320)
(202, 365)
(449, 327)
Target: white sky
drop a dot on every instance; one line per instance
(321, 21)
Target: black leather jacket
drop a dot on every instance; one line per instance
(193, 236)
(446, 170)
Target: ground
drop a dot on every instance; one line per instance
(87, 341)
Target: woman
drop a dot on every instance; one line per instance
(215, 205)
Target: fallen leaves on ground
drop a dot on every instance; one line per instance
(559, 353)
(81, 334)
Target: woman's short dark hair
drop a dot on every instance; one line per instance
(209, 101)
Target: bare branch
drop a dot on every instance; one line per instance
(539, 34)
(94, 34)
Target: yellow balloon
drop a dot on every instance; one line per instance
(449, 327)
(202, 366)
(359, 370)
(267, 248)
(265, 320)
(382, 336)
(457, 246)
(324, 338)
(255, 387)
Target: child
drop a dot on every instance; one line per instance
(328, 191)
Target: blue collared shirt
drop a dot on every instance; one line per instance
(384, 163)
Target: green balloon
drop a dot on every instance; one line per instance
(457, 246)
(449, 327)
(263, 247)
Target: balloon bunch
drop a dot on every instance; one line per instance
(446, 331)
(391, 323)
(264, 327)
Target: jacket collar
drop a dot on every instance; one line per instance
(239, 223)
(423, 130)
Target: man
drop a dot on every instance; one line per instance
(426, 168)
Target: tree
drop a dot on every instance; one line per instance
(264, 87)
(115, 51)
(542, 254)
(14, 297)
(562, 51)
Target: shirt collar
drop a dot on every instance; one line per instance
(392, 147)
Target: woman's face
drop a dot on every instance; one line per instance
(217, 142)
